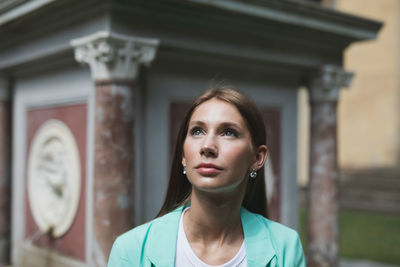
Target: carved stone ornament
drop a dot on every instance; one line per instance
(325, 83)
(114, 56)
(54, 178)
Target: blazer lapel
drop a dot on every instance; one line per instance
(259, 248)
(163, 234)
(162, 239)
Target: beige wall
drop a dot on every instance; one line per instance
(369, 134)
(368, 111)
(303, 136)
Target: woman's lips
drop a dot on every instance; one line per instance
(208, 169)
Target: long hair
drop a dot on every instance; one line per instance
(179, 188)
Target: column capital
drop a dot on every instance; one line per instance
(113, 56)
(324, 83)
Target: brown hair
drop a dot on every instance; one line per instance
(179, 188)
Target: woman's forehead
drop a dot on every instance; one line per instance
(215, 110)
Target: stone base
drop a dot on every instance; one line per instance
(33, 256)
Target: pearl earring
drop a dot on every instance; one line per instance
(184, 170)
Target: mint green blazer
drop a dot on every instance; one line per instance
(154, 244)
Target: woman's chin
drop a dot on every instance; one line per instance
(211, 185)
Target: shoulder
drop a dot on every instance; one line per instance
(132, 246)
(279, 233)
(284, 240)
(126, 247)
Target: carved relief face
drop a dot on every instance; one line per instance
(54, 177)
(52, 164)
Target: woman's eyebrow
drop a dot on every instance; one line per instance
(230, 124)
(201, 123)
(220, 124)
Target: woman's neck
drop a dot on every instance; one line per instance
(213, 219)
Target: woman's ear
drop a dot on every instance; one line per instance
(183, 161)
(261, 157)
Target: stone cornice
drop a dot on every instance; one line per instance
(324, 84)
(301, 14)
(113, 56)
(6, 5)
(20, 8)
(285, 12)
(269, 30)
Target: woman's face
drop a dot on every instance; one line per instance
(218, 151)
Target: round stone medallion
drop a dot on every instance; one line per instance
(54, 177)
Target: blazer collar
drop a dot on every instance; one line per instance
(259, 248)
(162, 238)
(163, 234)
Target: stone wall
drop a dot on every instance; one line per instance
(369, 121)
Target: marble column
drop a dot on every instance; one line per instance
(5, 175)
(115, 61)
(323, 233)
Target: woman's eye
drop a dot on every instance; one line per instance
(230, 132)
(196, 131)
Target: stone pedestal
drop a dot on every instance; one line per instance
(5, 181)
(114, 61)
(323, 223)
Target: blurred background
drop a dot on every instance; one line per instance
(92, 94)
(368, 139)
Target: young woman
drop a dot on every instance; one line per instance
(215, 210)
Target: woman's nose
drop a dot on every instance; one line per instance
(209, 147)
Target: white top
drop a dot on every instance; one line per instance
(186, 257)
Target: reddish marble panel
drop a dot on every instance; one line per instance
(113, 163)
(71, 243)
(272, 120)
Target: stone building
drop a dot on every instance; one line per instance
(91, 97)
(368, 114)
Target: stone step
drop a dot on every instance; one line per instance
(371, 195)
(388, 208)
(373, 183)
(370, 192)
